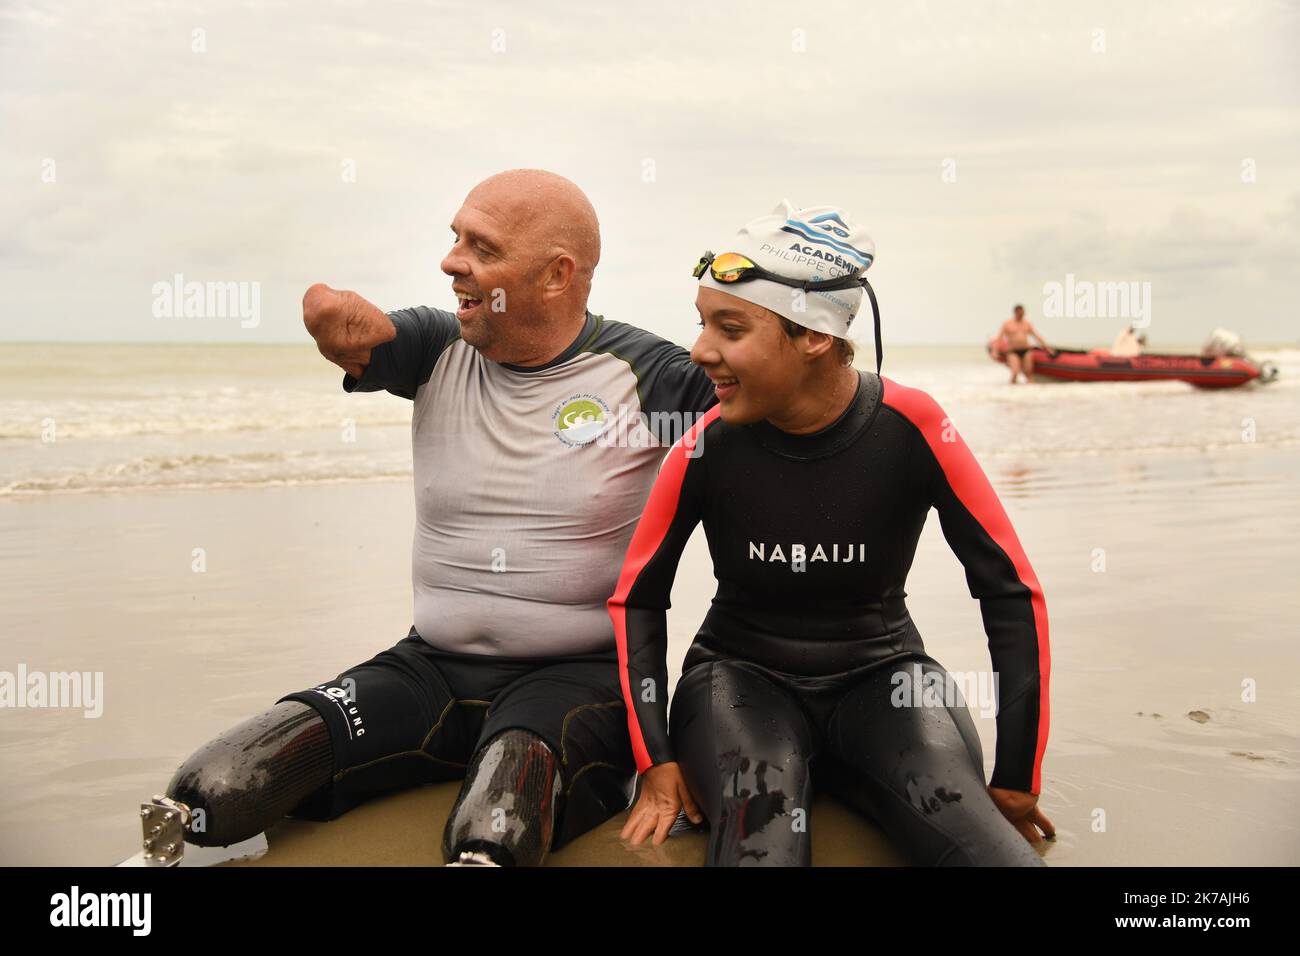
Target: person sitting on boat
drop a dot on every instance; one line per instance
(813, 481)
(1016, 333)
(1129, 343)
(1220, 343)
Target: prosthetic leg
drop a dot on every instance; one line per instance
(505, 814)
(237, 785)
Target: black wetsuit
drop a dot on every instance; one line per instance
(791, 677)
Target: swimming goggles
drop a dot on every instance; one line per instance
(733, 267)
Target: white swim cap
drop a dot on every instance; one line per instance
(818, 242)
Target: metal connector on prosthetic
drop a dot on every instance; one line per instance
(164, 822)
(168, 825)
(507, 807)
(474, 858)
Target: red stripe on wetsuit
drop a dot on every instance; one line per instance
(973, 490)
(656, 519)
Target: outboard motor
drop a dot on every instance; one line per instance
(1224, 343)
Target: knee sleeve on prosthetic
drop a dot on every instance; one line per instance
(253, 774)
(507, 805)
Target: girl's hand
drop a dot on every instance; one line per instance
(1022, 810)
(663, 793)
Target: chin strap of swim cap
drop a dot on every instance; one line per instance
(875, 316)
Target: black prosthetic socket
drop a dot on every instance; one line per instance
(253, 774)
(507, 805)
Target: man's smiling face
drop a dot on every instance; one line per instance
(493, 271)
(525, 246)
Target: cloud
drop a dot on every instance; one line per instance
(1190, 241)
(227, 164)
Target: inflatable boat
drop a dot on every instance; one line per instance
(1099, 365)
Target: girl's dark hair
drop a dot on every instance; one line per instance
(794, 330)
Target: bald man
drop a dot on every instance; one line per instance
(537, 431)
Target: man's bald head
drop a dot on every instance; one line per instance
(527, 244)
(551, 214)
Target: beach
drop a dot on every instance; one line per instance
(214, 527)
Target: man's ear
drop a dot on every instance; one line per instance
(559, 276)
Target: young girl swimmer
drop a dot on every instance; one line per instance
(813, 481)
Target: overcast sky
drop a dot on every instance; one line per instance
(990, 148)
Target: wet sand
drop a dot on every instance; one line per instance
(405, 829)
(303, 581)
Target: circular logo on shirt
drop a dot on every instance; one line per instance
(579, 419)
